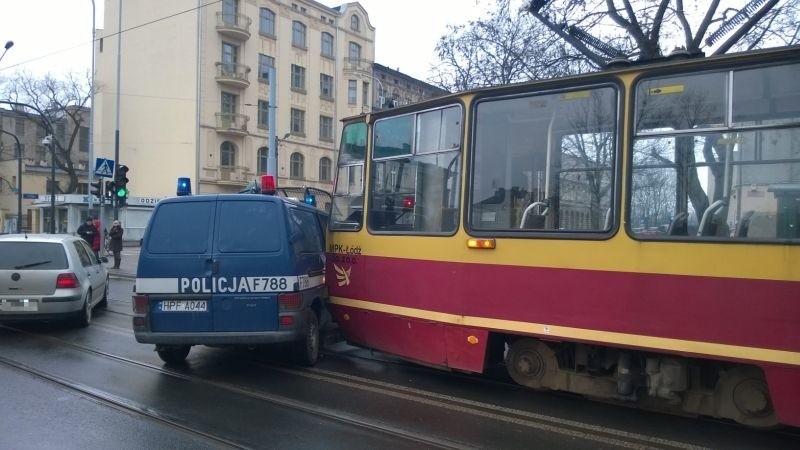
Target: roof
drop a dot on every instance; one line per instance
(37, 237)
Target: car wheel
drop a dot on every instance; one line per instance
(85, 314)
(103, 303)
(307, 350)
(173, 355)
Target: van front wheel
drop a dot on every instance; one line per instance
(307, 349)
(173, 354)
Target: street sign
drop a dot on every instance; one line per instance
(30, 196)
(104, 167)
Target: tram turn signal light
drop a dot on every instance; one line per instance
(481, 243)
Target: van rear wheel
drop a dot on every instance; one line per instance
(307, 349)
(173, 354)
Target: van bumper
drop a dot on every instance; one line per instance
(219, 338)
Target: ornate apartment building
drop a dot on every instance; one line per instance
(194, 89)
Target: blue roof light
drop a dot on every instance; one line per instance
(184, 186)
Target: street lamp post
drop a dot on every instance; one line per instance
(19, 180)
(52, 144)
(381, 91)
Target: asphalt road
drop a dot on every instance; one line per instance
(66, 388)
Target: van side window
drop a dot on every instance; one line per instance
(306, 234)
(249, 226)
(181, 228)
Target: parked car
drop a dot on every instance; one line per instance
(50, 276)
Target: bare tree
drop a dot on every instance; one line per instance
(645, 29)
(505, 47)
(64, 104)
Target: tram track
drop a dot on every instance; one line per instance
(571, 429)
(124, 404)
(117, 403)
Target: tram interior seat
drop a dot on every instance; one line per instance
(744, 224)
(679, 225)
(534, 222)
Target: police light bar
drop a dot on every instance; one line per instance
(310, 199)
(268, 184)
(184, 186)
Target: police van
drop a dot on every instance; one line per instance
(232, 269)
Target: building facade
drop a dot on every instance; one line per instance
(194, 96)
(35, 169)
(394, 88)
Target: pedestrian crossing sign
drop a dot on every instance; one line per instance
(103, 167)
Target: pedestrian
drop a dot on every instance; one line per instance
(88, 231)
(97, 242)
(116, 242)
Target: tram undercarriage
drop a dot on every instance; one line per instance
(647, 380)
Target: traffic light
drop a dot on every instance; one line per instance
(97, 189)
(111, 190)
(121, 185)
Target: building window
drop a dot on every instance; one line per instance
(266, 24)
(354, 53)
(364, 93)
(327, 44)
(263, 114)
(228, 103)
(296, 166)
(298, 77)
(324, 169)
(227, 154)
(264, 63)
(354, 23)
(325, 86)
(83, 139)
(229, 10)
(352, 95)
(298, 34)
(19, 127)
(326, 128)
(263, 157)
(298, 121)
(229, 58)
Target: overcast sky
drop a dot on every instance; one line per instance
(54, 36)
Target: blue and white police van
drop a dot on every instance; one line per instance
(232, 269)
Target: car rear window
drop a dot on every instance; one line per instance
(250, 226)
(32, 256)
(181, 228)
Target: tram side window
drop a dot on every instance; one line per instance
(416, 173)
(348, 195)
(545, 162)
(739, 180)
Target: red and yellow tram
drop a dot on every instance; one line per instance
(632, 234)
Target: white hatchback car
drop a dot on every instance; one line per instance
(50, 276)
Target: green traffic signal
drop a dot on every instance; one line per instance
(122, 192)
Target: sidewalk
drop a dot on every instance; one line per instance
(127, 267)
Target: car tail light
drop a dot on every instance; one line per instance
(287, 320)
(289, 302)
(141, 303)
(67, 281)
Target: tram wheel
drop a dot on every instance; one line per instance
(307, 349)
(173, 355)
(743, 395)
(532, 363)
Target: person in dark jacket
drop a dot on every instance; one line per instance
(88, 231)
(116, 242)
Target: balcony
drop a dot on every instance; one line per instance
(235, 26)
(234, 75)
(237, 174)
(357, 65)
(232, 124)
